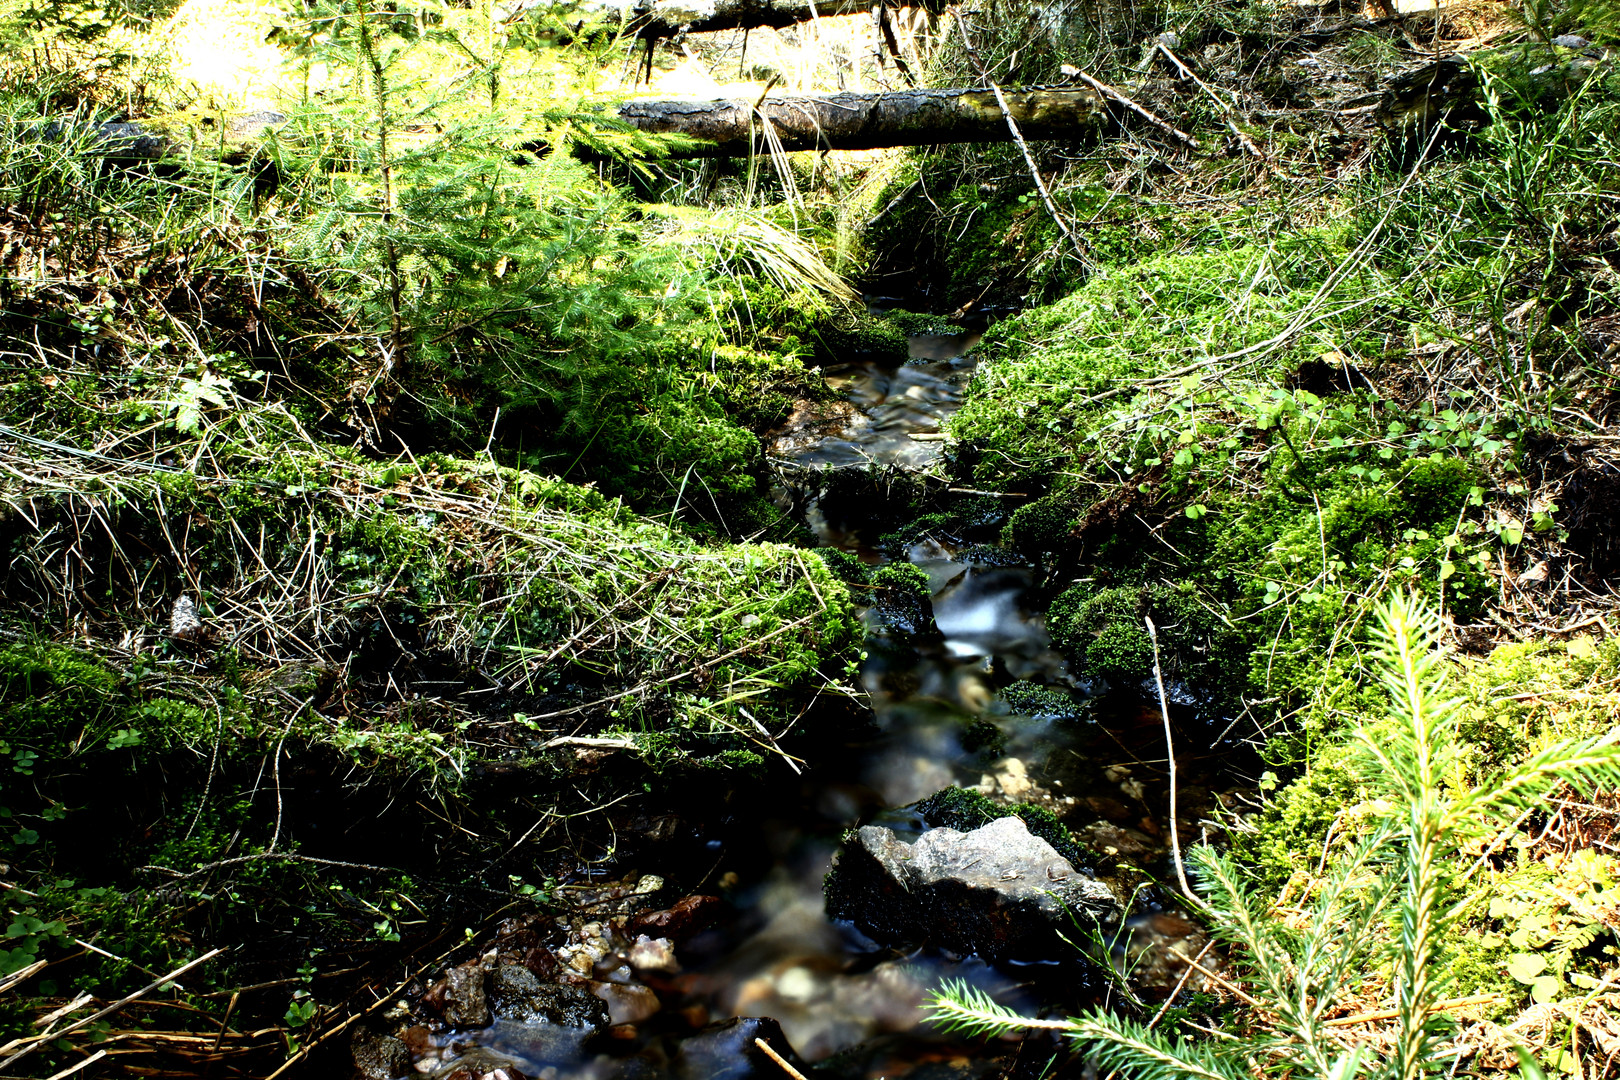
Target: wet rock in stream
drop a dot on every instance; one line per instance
(902, 601)
(460, 997)
(378, 1057)
(515, 993)
(996, 891)
(688, 916)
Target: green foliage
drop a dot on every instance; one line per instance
(1503, 718)
(845, 567)
(1031, 402)
(902, 578)
(1387, 902)
(857, 336)
(1041, 527)
(1032, 699)
(1103, 633)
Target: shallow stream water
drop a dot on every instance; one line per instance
(937, 719)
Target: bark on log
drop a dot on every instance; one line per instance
(867, 121)
(665, 18)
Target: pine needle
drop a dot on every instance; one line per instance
(962, 1009)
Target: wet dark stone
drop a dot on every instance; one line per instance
(906, 614)
(1112, 840)
(996, 891)
(515, 993)
(1158, 948)
(727, 1051)
(539, 1045)
(541, 961)
(460, 997)
(688, 916)
(378, 1057)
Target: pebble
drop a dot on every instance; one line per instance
(654, 954)
(627, 1004)
(796, 984)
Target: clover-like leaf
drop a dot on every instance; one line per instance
(1525, 967)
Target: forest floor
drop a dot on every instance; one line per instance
(382, 472)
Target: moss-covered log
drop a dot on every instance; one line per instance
(866, 121)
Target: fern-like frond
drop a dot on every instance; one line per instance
(1591, 762)
(1130, 1049)
(1242, 919)
(962, 1009)
(1408, 760)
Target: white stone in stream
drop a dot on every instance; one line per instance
(796, 984)
(653, 954)
(627, 1004)
(996, 891)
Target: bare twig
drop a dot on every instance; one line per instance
(1170, 755)
(1018, 137)
(1108, 91)
(27, 1046)
(780, 1060)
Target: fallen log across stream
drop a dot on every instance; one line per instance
(728, 127)
(732, 128)
(666, 18)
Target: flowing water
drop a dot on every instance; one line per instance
(937, 719)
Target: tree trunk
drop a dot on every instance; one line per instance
(663, 18)
(866, 121)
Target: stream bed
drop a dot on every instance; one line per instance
(940, 716)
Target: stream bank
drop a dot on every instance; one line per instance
(967, 695)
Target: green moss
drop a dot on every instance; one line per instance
(903, 579)
(1103, 634)
(914, 324)
(1041, 527)
(1032, 699)
(981, 736)
(903, 599)
(930, 526)
(1033, 398)
(857, 336)
(1520, 698)
(845, 567)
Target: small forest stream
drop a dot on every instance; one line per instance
(940, 716)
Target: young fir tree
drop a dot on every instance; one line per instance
(1387, 904)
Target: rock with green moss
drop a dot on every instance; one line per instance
(859, 337)
(845, 567)
(965, 809)
(1026, 698)
(903, 600)
(1042, 527)
(995, 890)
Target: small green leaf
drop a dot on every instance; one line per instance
(1545, 989)
(1526, 966)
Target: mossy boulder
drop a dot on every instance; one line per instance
(1103, 633)
(903, 600)
(860, 337)
(1042, 527)
(1032, 699)
(965, 809)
